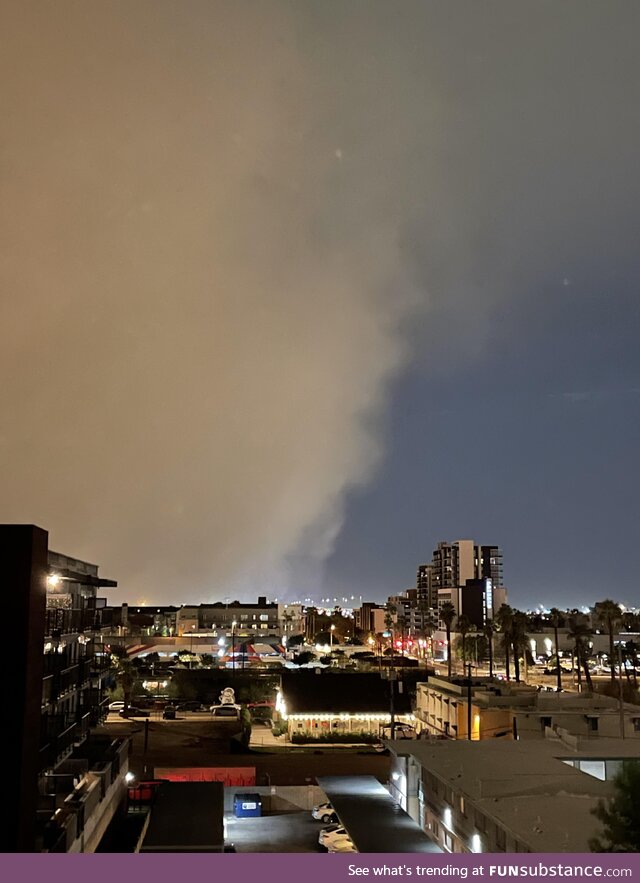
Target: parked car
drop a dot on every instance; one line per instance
(331, 832)
(118, 705)
(189, 706)
(226, 712)
(169, 713)
(336, 840)
(132, 711)
(324, 812)
(343, 845)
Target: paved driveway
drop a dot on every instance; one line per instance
(276, 832)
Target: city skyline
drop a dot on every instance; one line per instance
(297, 291)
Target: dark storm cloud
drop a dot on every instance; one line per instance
(229, 224)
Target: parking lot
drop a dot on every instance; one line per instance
(277, 832)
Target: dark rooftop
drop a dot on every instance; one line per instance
(373, 819)
(341, 692)
(186, 817)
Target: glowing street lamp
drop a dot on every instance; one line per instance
(331, 631)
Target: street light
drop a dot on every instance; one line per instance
(331, 631)
(233, 647)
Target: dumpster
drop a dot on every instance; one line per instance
(247, 806)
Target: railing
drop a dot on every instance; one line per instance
(64, 742)
(84, 725)
(85, 668)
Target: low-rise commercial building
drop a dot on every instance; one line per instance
(534, 796)
(480, 709)
(340, 704)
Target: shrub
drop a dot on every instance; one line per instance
(334, 738)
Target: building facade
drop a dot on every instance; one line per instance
(59, 802)
(480, 709)
(507, 797)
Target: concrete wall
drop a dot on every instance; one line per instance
(279, 798)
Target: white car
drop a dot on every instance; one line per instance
(331, 833)
(338, 843)
(345, 844)
(116, 706)
(324, 812)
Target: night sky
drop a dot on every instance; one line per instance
(295, 290)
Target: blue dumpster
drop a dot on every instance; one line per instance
(247, 806)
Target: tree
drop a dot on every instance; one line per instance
(447, 615)
(579, 633)
(488, 631)
(429, 625)
(124, 672)
(475, 647)
(555, 619)
(389, 619)
(304, 657)
(519, 623)
(401, 624)
(609, 615)
(504, 621)
(620, 815)
(463, 627)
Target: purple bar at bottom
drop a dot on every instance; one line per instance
(173, 867)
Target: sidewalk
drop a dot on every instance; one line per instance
(263, 737)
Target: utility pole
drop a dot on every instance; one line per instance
(391, 677)
(469, 701)
(233, 648)
(620, 690)
(392, 689)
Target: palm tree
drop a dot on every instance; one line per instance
(401, 624)
(504, 620)
(447, 615)
(488, 633)
(579, 633)
(463, 627)
(555, 619)
(429, 626)
(609, 615)
(389, 620)
(519, 623)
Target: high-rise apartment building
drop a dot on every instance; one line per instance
(452, 566)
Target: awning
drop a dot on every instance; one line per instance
(373, 819)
